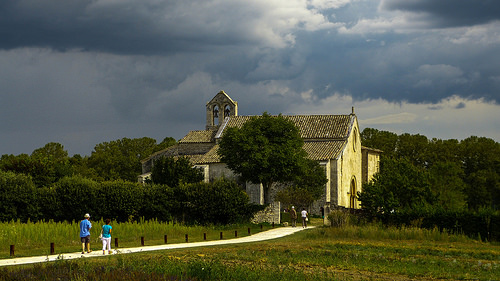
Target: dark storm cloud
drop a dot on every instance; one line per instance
(127, 27)
(81, 72)
(449, 13)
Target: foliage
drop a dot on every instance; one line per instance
(17, 196)
(266, 149)
(45, 165)
(306, 187)
(75, 196)
(121, 159)
(220, 202)
(461, 174)
(120, 200)
(159, 202)
(398, 186)
(339, 218)
(165, 143)
(174, 172)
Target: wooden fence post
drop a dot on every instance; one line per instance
(204, 237)
(52, 250)
(221, 235)
(12, 249)
(236, 233)
(249, 230)
(116, 242)
(142, 241)
(186, 238)
(165, 238)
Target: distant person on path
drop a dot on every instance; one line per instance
(293, 216)
(304, 217)
(85, 227)
(106, 237)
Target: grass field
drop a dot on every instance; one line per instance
(349, 253)
(33, 239)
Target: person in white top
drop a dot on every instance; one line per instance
(304, 218)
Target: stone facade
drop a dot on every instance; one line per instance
(332, 140)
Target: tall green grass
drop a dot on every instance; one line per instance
(369, 252)
(34, 238)
(380, 232)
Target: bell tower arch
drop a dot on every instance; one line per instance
(220, 107)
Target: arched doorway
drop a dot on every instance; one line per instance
(352, 194)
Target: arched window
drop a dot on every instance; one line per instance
(352, 194)
(227, 111)
(216, 115)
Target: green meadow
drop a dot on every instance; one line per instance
(369, 252)
(34, 239)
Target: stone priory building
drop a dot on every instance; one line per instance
(332, 140)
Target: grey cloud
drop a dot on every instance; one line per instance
(150, 26)
(449, 13)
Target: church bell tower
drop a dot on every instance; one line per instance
(220, 107)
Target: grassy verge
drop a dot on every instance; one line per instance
(347, 253)
(33, 239)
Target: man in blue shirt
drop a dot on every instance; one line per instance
(85, 227)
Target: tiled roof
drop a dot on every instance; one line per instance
(323, 150)
(316, 150)
(210, 157)
(310, 126)
(198, 137)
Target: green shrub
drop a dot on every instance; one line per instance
(220, 202)
(339, 218)
(76, 196)
(17, 197)
(119, 200)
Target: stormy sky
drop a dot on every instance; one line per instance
(82, 72)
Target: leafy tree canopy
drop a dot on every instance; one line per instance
(266, 149)
(121, 159)
(462, 174)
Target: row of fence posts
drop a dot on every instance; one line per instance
(52, 245)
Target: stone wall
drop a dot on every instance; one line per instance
(371, 159)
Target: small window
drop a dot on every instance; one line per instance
(354, 139)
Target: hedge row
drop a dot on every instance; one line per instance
(221, 202)
(483, 224)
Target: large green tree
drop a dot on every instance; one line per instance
(400, 185)
(265, 150)
(120, 159)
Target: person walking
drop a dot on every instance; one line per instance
(293, 216)
(106, 237)
(85, 226)
(304, 217)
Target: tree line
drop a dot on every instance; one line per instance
(113, 160)
(447, 174)
(449, 184)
